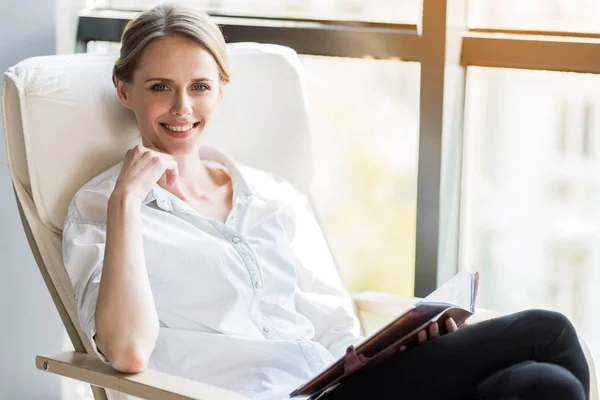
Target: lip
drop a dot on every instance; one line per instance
(180, 135)
(184, 123)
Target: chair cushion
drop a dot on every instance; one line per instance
(73, 126)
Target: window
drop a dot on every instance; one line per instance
(549, 15)
(531, 198)
(365, 124)
(362, 10)
(529, 218)
(364, 186)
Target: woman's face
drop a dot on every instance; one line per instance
(174, 93)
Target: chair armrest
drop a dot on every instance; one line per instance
(149, 384)
(380, 303)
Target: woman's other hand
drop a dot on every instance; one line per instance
(434, 332)
(143, 168)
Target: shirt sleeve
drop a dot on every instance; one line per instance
(321, 295)
(83, 253)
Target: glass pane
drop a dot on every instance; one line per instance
(365, 116)
(395, 11)
(530, 219)
(552, 15)
(365, 124)
(103, 47)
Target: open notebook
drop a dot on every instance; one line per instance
(455, 299)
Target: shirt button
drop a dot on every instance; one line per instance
(258, 284)
(235, 239)
(267, 328)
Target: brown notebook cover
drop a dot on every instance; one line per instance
(455, 299)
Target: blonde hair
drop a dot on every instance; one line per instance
(164, 20)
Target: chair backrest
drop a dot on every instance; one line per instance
(64, 125)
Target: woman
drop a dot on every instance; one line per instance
(187, 262)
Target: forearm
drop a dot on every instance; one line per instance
(126, 319)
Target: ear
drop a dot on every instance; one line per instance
(124, 93)
(221, 86)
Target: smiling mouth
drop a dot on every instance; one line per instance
(180, 128)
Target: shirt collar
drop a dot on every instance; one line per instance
(209, 155)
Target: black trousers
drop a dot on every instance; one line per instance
(532, 354)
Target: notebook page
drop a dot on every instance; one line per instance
(458, 290)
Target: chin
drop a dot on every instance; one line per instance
(183, 152)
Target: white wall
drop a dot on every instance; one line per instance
(29, 323)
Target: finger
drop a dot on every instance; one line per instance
(434, 331)
(172, 173)
(403, 348)
(139, 149)
(166, 166)
(422, 337)
(451, 325)
(140, 159)
(170, 170)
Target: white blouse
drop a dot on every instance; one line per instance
(254, 305)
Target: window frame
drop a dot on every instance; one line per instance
(345, 39)
(444, 45)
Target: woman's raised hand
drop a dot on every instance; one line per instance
(143, 168)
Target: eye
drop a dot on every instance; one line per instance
(200, 87)
(159, 87)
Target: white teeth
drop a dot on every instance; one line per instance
(179, 128)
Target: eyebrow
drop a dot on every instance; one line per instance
(171, 81)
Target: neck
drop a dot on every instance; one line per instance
(194, 179)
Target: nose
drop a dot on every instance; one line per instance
(182, 105)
